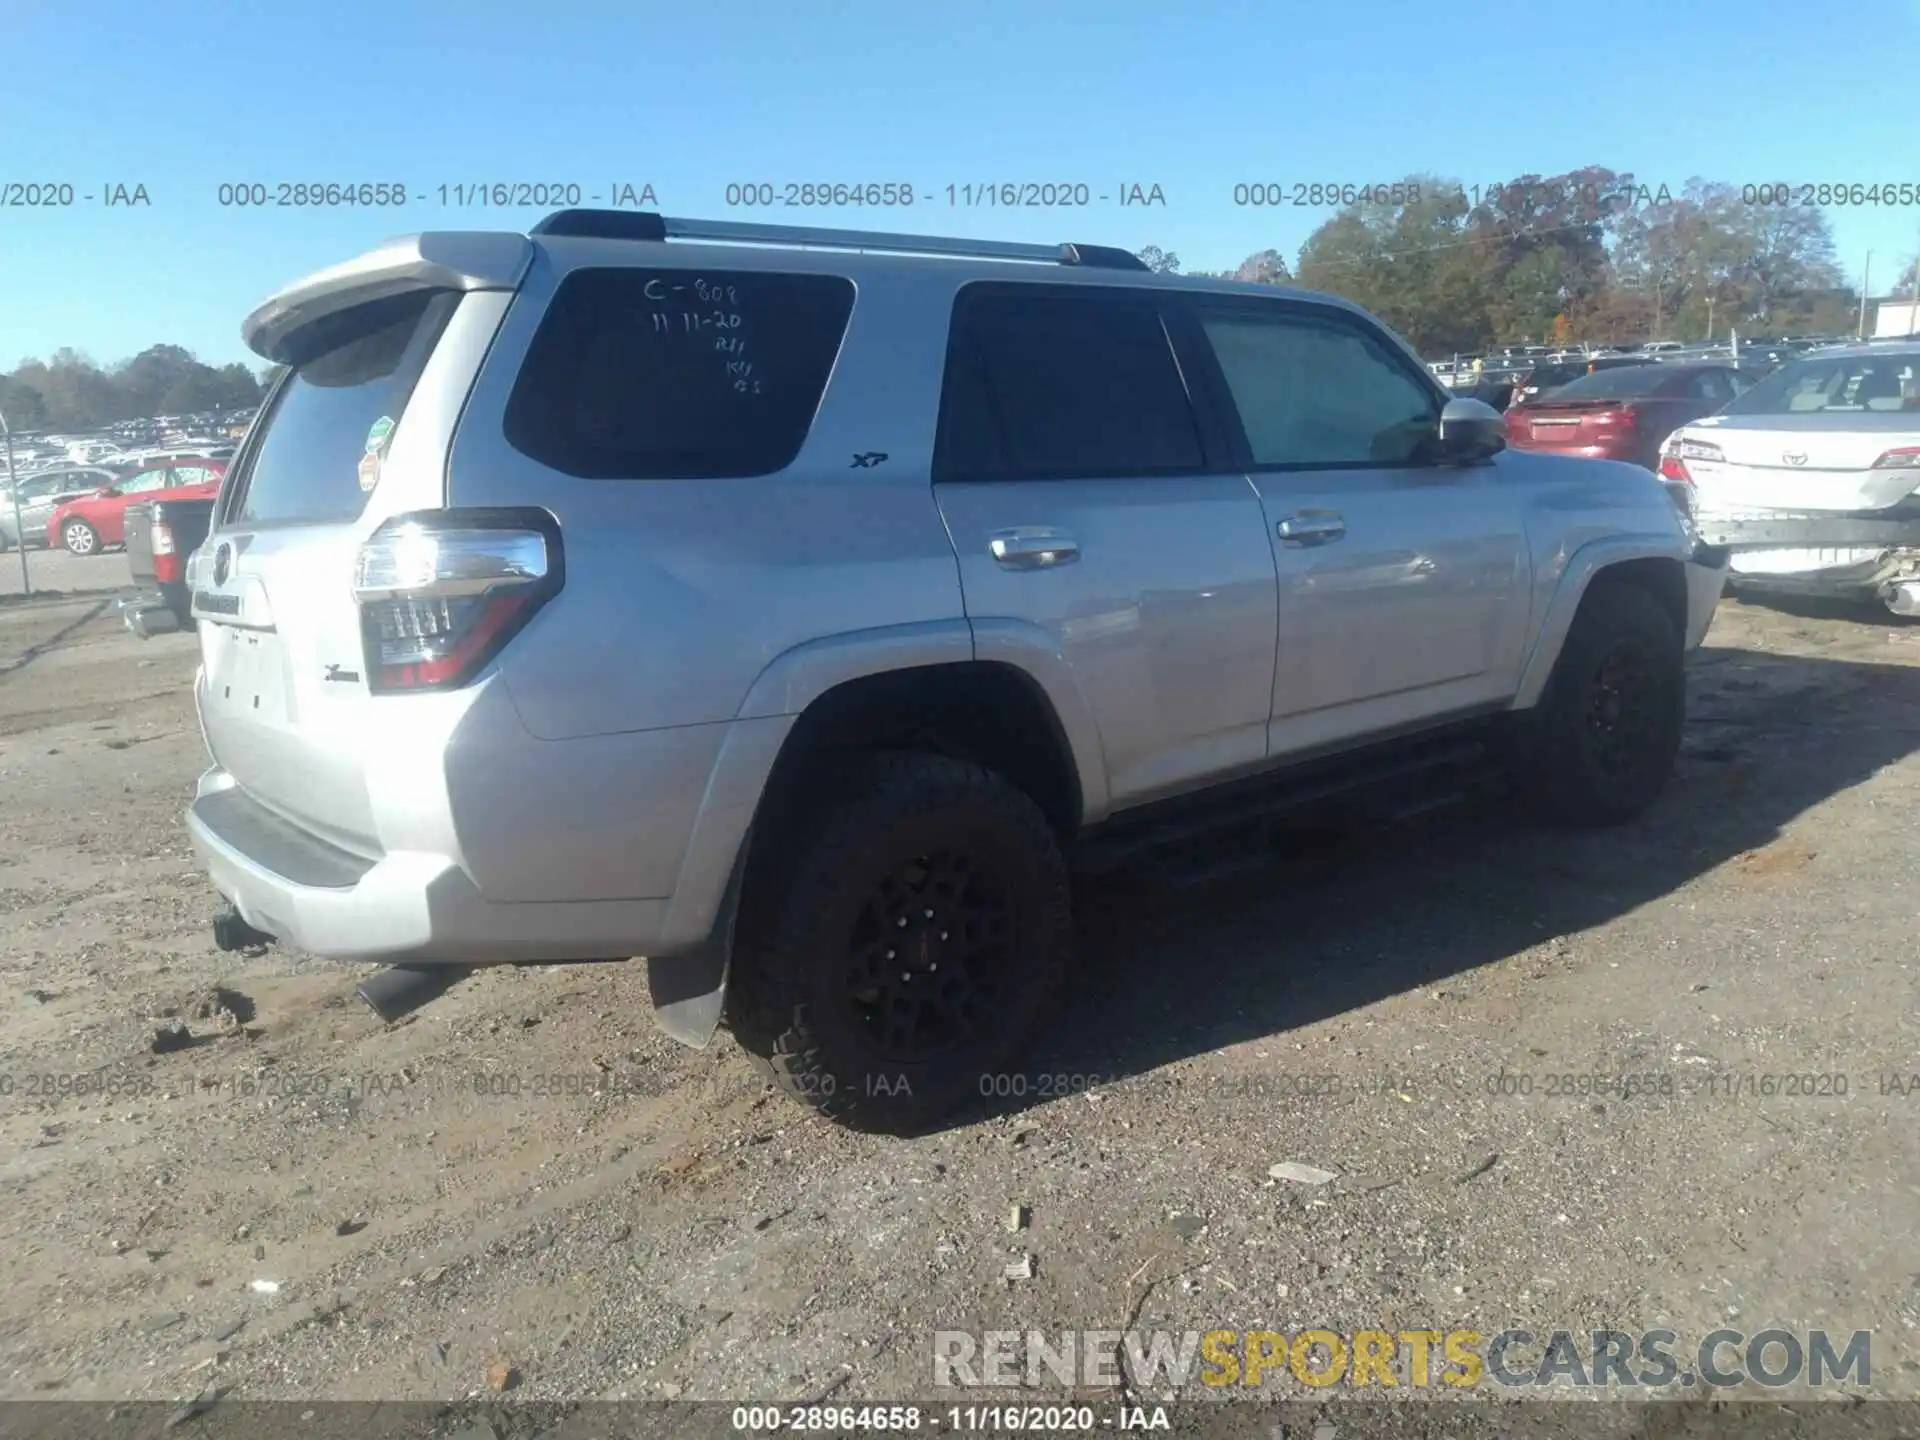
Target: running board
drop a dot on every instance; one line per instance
(1201, 839)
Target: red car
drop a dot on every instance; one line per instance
(1622, 414)
(87, 524)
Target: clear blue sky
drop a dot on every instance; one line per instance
(1192, 96)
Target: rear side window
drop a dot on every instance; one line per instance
(348, 385)
(677, 374)
(1044, 385)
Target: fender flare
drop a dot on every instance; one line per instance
(1575, 578)
(688, 979)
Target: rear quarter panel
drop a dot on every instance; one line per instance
(681, 593)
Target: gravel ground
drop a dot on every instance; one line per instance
(524, 1174)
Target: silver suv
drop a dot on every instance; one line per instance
(798, 609)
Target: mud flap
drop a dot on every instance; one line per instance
(689, 993)
(690, 989)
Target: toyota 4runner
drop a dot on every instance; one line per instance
(798, 608)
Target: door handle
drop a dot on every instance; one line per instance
(1312, 527)
(1035, 548)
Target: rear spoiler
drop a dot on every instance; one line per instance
(437, 260)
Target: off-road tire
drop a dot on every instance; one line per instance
(80, 538)
(1624, 658)
(798, 998)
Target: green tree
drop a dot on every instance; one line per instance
(1414, 265)
(1544, 242)
(146, 380)
(1161, 262)
(24, 406)
(70, 392)
(1267, 267)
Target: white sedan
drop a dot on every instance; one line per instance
(1809, 478)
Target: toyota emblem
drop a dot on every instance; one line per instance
(1795, 457)
(222, 564)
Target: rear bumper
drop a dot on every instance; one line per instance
(1627, 454)
(156, 607)
(1841, 555)
(1809, 532)
(404, 908)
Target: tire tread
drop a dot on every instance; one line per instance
(804, 862)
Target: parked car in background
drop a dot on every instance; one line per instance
(92, 522)
(1624, 413)
(92, 452)
(1492, 388)
(161, 535)
(1809, 478)
(40, 495)
(171, 455)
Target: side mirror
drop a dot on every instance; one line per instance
(1471, 430)
(107, 492)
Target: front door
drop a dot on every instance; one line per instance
(1403, 583)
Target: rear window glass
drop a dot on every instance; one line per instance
(1625, 382)
(677, 374)
(346, 390)
(1852, 383)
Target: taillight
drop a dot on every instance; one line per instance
(166, 560)
(1672, 467)
(1905, 458)
(441, 592)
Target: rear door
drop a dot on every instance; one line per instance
(1082, 500)
(356, 430)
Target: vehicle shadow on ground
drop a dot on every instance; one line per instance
(54, 641)
(1165, 978)
(1823, 607)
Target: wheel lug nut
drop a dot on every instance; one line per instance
(907, 975)
(889, 954)
(901, 922)
(943, 934)
(927, 913)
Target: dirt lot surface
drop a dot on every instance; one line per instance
(525, 1174)
(56, 573)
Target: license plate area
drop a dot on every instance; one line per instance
(250, 675)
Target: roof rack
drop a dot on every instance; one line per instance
(647, 225)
